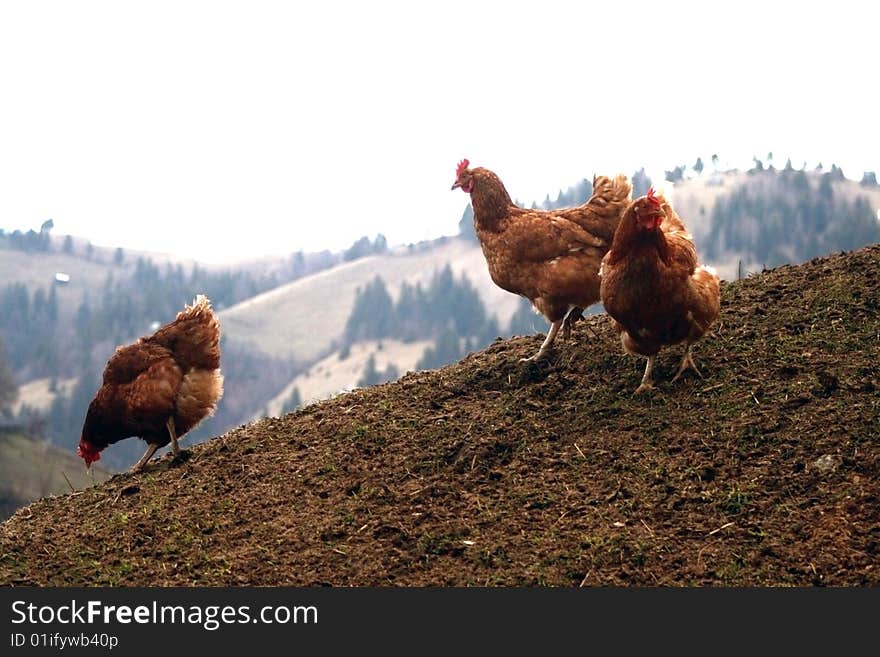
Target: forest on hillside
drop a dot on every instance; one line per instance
(789, 217)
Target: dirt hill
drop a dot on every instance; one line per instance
(494, 472)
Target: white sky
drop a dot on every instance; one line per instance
(226, 130)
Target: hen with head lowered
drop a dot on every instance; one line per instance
(158, 388)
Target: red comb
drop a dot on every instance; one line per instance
(653, 199)
(464, 164)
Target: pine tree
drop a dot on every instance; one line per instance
(8, 387)
(372, 316)
(446, 349)
(466, 225)
(292, 403)
(391, 373)
(641, 183)
(380, 244)
(361, 247)
(525, 321)
(370, 375)
(410, 313)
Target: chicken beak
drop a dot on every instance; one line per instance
(455, 185)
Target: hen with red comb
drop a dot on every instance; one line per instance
(549, 257)
(653, 286)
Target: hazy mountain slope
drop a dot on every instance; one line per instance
(37, 395)
(37, 271)
(695, 198)
(501, 473)
(302, 319)
(31, 469)
(332, 375)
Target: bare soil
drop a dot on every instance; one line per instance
(492, 472)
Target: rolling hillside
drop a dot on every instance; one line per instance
(500, 473)
(695, 199)
(332, 375)
(38, 394)
(303, 319)
(30, 470)
(294, 320)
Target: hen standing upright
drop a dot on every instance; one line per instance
(159, 387)
(549, 257)
(653, 287)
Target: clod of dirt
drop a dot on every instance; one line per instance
(827, 463)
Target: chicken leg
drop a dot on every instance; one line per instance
(574, 315)
(151, 449)
(687, 362)
(175, 448)
(647, 383)
(548, 341)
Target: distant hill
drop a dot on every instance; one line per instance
(333, 374)
(303, 319)
(695, 198)
(38, 395)
(30, 470)
(37, 271)
(276, 323)
(493, 472)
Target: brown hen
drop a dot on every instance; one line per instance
(549, 257)
(653, 287)
(159, 387)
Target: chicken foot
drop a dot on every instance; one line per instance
(687, 362)
(548, 341)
